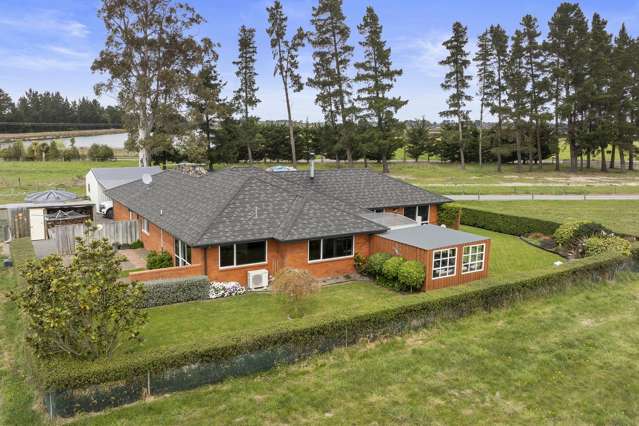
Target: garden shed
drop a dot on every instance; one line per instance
(42, 211)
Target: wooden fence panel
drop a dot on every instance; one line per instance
(121, 232)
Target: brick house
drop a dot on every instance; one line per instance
(226, 223)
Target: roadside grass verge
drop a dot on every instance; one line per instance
(567, 358)
(619, 216)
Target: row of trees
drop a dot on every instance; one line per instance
(168, 84)
(42, 111)
(52, 151)
(578, 79)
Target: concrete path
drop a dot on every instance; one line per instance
(539, 197)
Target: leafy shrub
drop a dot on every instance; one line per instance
(416, 311)
(79, 310)
(178, 290)
(601, 244)
(136, 245)
(360, 263)
(571, 234)
(411, 276)
(100, 153)
(159, 260)
(449, 215)
(218, 290)
(295, 286)
(390, 270)
(375, 263)
(506, 224)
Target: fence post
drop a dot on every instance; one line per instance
(148, 382)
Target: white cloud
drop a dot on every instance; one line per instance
(48, 22)
(67, 51)
(40, 63)
(422, 53)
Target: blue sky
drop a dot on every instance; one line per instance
(49, 45)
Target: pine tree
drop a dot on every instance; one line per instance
(621, 89)
(458, 81)
(245, 97)
(597, 89)
(285, 54)
(535, 68)
(567, 46)
(486, 79)
(377, 77)
(497, 104)
(418, 139)
(517, 83)
(332, 55)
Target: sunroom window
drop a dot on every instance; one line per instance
(444, 263)
(473, 259)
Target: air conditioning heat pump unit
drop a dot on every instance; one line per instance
(257, 279)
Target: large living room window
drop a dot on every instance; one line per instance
(182, 253)
(473, 259)
(412, 212)
(330, 248)
(232, 255)
(444, 263)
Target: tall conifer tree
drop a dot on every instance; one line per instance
(245, 97)
(285, 54)
(457, 81)
(486, 79)
(497, 103)
(377, 78)
(332, 55)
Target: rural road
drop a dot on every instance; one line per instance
(539, 197)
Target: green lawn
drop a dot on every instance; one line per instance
(567, 359)
(620, 216)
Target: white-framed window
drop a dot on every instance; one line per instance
(182, 253)
(413, 212)
(330, 248)
(145, 226)
(473, 258)
(241, 254)
(444, 263)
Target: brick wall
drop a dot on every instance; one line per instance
(286, 255)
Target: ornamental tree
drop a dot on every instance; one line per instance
(80, 310)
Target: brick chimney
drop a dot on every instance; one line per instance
(191, 169)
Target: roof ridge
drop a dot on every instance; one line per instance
(296, 209)
(223, 207)
(306, 188)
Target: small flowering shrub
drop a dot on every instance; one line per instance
(218, 289)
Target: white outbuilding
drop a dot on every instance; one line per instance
(99, 180)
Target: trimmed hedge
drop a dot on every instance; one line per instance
(413, 312)
(505, 223)
(178, 290)
(411, 276)
(449, 215)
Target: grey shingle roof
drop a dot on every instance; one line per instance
(240, 205)
(365, 188)
(111, 177)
